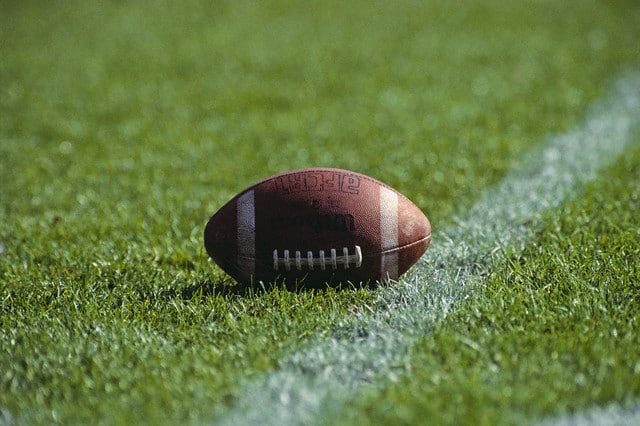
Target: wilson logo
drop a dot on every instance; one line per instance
(319, 181)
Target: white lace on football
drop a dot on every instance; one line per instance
(299, 262)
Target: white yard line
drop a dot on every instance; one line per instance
(314, 383)
(611, 415)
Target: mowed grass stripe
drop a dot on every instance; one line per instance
(312, 385)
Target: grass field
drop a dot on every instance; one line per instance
(124, 126)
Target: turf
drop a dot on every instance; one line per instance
(123, 127)
(552, 330)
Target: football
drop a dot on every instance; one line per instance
(320, 226)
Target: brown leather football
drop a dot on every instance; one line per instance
(319, 225)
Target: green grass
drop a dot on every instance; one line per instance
(552, 330)
(123, 127)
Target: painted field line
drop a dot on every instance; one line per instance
(610, 415)
(372, 347)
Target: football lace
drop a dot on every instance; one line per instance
(310, 261)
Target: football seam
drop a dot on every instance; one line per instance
(391, 250)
